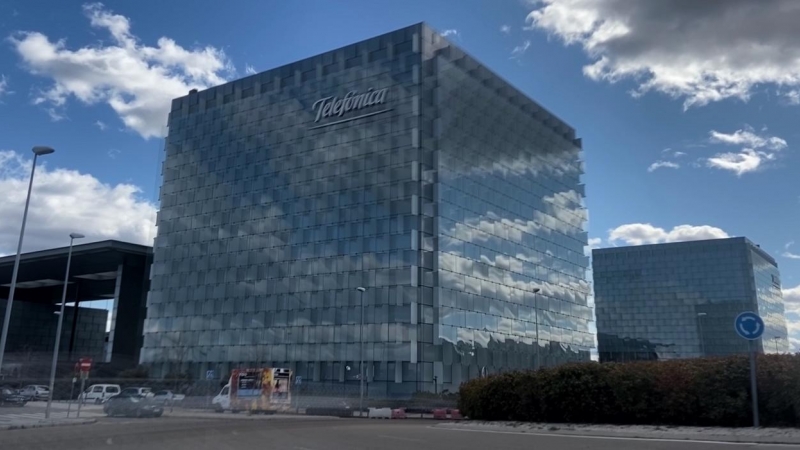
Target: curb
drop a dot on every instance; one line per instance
(569, 431)
(22, 426)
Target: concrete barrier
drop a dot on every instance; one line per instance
(440, 414)
(380, 413)
(456, 414)
(398, 413)
(334, 412)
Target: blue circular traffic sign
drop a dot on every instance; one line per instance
(749, 325)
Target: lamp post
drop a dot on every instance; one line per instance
(700, 316)
(776, 339)
(72, 237)
(536, 322)
(37, 151)
(361, 355)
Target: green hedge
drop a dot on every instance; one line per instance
(704, 392)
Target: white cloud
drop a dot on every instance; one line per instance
(3, 85)
(249, 70)
(747, 138)
(699, 51)
(506, 29)
(791, 305)
(451, 32)
(55, 114)
(757, 149)
(137, 81)
(790, 255)
(100, 124)
(663, 164)
(788, 244)
(740, 163)
(792, 97)
(593, 243)
(520, 50)
(791, 299)
(65, 201)
(645, 233)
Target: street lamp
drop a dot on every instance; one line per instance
(776, 339)
(700, 316)
(72, 237)
(37, 151)
(361, 355)
(536, 321)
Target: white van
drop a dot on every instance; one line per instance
(100, 392)
(222, 401)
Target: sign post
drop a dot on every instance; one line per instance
(71, 394)
(750, 326)
(84, 366)
(298, 381)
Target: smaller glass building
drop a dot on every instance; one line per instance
(680, 300)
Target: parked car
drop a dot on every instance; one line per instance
(167, 397)
(222, 402)
(35, 392)
(9, 397)
(99, 393)
(133, 405)
(143, 391)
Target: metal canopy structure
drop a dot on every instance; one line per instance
(105, 270)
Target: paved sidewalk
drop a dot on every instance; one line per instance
(43, 423)
(35, 411)
(653, 432)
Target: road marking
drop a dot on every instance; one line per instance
(399, 438)
(614, 438)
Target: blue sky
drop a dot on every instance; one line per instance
(687, 112)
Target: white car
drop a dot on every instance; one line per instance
(35, 392)
(167, 396)
(99, 393)
(222, 402)
(141, 391)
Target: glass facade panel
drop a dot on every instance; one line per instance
(398, 164)
(680, 300)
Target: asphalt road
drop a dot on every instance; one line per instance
(175, 433)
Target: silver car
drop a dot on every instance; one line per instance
(35, 392)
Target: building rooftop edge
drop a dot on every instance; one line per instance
(419, 25)
(755, 247)
(106, 245)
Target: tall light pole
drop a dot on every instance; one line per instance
(37, 151)
(361, 355)
(536, 322)
(776, 339)
(72, 237)
(700, 316)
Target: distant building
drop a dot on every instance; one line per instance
(680, 300)
(106, 270)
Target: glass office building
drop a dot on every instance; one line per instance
(398, 164)
(680, 300)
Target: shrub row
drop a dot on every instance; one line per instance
(703, 392)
